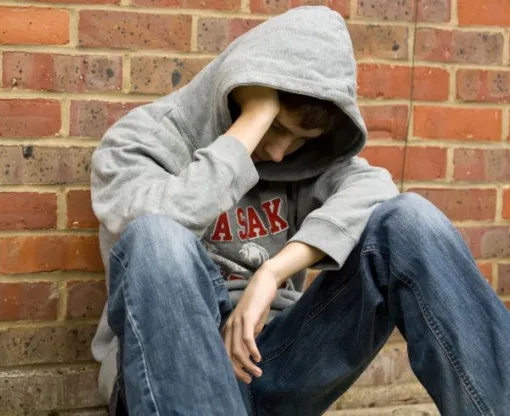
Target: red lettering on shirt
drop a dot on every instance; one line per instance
(222, 229)
(256, 228)
(272, 210)
(241, 221)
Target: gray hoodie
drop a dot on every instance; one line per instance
(172, 157)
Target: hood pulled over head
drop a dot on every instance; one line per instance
(308, 51)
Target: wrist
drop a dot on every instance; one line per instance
(274, 269)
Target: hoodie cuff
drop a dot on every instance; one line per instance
(232, 152)
(327, 237)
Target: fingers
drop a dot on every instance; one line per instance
(243, 338)
(239, 345)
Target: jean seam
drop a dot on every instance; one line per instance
(435, 330)
(129, 317)
(315, 312)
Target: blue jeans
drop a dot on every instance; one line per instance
(411, 269)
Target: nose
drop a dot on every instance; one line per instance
(276, 149)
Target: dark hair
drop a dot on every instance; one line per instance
(314, 113)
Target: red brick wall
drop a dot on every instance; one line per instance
(70, 68)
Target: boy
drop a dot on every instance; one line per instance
(212, 202)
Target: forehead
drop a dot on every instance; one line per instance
(291, 122)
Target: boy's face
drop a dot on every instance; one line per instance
(283, 137)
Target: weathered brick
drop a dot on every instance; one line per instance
(44, 165)
(42, 71)
(480, 85)
(30, 254)
(215, 34)
(486, 271)
(484, 13)
(462, 204)
(481, 165)
(425, 163)
(60, 388)
(80, 1)
(85, 299)
(391, 365)
(457, 123)
(428, 10)
(27, 211)
(379, 41)
(98, 412)
(47, 344)
(22, 301)
(93, 118)
(504, 279)
(192, 4)
(79, 210)
(458, 46)
(161, 75)
(281, 6)
(390, 158)
(113, 29)
(390, 81)
(386, 121)
(24, 118)
(506, 204)
(488, 242)
(33, 25)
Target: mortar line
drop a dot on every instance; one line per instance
(449, 165)
(499, 205)
(62, 301)
(61, 209)
(50, 141)
(194, 34)
(506, 125)
(126, 73)
(454, 14)
(49, 233)
(245, 6)
(452, 84)
(41, 188)
(65, 116)
(73, 28)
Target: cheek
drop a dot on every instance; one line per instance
(295, 145)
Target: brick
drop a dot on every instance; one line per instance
(428, 10)
(85, 299)
(425, 163)
(486, 13)
(481, 165)
(506, 204)
(192, 4)
(27, 210)
(462, 204)
(215, 34)
(487, 242)
(161, 75)
(31, 254)
(281, 6)
(22, 301)
(80, 1)
(112, 29)
(391, 365)
(47, 344)
(24, 118)
(379, 41)
(386, 121)
(457, 46)
(390, 158)
(49, 389)
(457, 123)
(479, 85)
(389, 81)
(486, 271)
(93, 118)
(504, 279)
(79, 210)
(34, 26)
(380, 397)
(422, 163)
(67, 73)
(44, 165)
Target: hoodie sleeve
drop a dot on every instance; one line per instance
(332, 212)
(144, 166)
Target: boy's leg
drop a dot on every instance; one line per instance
(411, 269)
(166, 303)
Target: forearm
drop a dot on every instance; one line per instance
(293, 258)
(249, 128)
